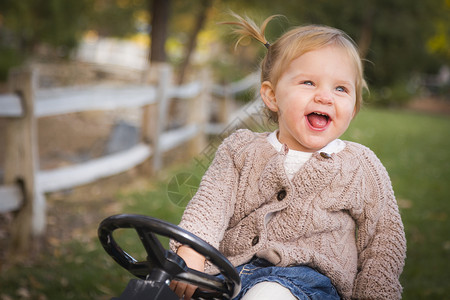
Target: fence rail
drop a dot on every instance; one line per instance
(25, 185)
(11, 196)
(10, 106)
(70, 176)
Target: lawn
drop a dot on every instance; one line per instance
(413, 147)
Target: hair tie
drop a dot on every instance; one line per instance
(267, 45)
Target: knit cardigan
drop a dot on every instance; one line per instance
(338, 214)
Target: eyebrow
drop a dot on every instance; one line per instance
(346, 82)
(302, 76)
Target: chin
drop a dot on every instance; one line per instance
(317, 146)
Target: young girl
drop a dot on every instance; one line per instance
(300, 213)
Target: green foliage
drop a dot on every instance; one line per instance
(115, 17)
(29, 26)
(53, 22)
(397, 94)
(61, 24)
(439, 43)
(8, 59)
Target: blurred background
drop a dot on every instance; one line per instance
(81, 43)
(405, 43)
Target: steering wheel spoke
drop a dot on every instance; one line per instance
(140, 269)
(202, 280)
(155, 251)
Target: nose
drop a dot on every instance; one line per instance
(323, 97)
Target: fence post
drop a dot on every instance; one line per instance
(155, 115)
(224, 105)
(199, 114)
(149, 122)
(21, 165)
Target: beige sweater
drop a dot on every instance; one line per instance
(338, 214)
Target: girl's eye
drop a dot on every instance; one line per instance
(341, 89)
(308, 82)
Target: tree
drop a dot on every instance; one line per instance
(114, 18)
(29, 23)
(159, 25)
(192, 42)
(439, 42)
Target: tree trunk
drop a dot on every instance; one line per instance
(200, 22)
(366, 32)
(159, 10)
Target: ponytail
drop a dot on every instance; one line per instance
(248, 28)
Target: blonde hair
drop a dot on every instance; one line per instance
(295, 43)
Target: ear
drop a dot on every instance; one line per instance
(268, 96)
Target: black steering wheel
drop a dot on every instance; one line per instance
(164, 265)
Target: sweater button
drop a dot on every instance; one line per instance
(325, 155)
(255, 240)
(281, 195)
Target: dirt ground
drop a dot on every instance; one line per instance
(431, 105)
(70, 139)
(64, 141)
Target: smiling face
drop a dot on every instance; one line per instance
(314, 98)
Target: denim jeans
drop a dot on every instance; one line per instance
(304, 282)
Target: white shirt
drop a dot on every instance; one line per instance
(295, 159)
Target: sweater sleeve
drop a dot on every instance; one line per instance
(381, 242)
(208, 213)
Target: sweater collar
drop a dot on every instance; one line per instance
(316, 173)
(334, 146)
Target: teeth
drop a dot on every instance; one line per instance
(320, 114)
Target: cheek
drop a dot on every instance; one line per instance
(350, 114)
(347, 112)
(292, 112)
(349, 106)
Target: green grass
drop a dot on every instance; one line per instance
(413, 147)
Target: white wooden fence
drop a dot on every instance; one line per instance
(25, 185)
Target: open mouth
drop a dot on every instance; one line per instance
(318, 120)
